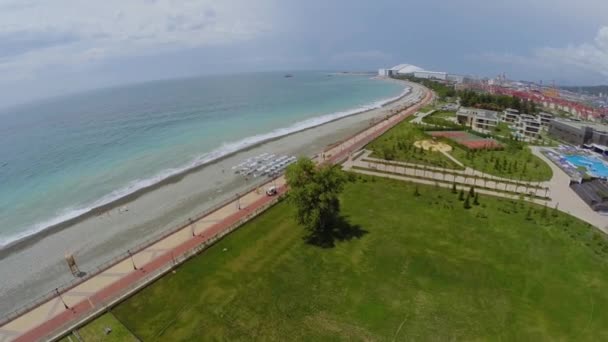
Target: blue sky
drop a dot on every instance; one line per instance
(49, 48)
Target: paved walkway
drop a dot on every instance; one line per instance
(468, 172)
(60, 313)
(566, 199)
(433, 175)
(420, 116)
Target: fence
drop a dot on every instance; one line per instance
(113, 261)
(103, 304)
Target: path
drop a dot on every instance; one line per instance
(433, 175)
(469, 172)
(420, 116)
(86, 299)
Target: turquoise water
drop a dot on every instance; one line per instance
(62, 157)
(594, 166)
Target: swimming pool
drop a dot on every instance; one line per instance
(595, 167)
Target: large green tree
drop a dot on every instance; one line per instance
(314, 191)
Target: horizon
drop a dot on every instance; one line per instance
(4, 109)
(65, 47)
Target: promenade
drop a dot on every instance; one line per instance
(86, 299)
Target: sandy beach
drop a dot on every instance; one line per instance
(32, 269)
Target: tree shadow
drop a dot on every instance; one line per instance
(339, 230)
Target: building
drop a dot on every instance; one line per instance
(431, 75)
(545, 118)
(384, 72)
(594, 194)
(529, 126)
(478, 119)
(510, 115)
(455, 78)
(579, 132)
(405, 69)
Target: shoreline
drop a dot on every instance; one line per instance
(34, 267)
(30, 239)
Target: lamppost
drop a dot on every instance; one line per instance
(132, 260)
(61, 298)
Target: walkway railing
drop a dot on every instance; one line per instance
(118, 258)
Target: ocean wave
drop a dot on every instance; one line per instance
(222, 151)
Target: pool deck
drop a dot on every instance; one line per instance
(566, 199)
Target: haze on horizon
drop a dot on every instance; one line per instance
(49, 48)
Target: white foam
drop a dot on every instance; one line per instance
(218, 153)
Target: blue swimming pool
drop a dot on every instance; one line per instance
(594, 166)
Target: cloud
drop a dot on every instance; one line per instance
(589, 56)
(38, 35)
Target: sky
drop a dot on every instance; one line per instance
(50, 48)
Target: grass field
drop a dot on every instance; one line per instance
(95, 331)
(439, 118)
(398, 144)
(426, 109)
(514, 162)
(407, 268)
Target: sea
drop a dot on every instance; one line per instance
(62, 157)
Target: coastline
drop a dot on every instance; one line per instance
(30, 237)
(34, 266)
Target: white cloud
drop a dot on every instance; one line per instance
(114, 28)
(589, 56)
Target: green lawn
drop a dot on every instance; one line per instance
(439, 119)
(503, 129)
(95, 331)
(408, 268)
(515, 162)
(398, 144)
(443, 114)
(426, 109)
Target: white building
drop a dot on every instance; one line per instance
(529, 126)
(455, 78)
(510, 115)
(431, 75)
(416, 71)
(481, 120)
(384, 72)
(406, 69)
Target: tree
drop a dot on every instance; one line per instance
(461, 195)
(314, 192)
(472, 191)
(416, 192)
(467, 203)
(529, 214)
(454, 191)
(476, 199)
